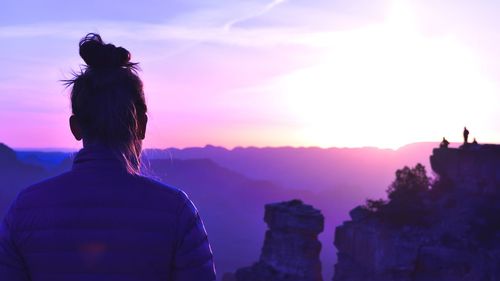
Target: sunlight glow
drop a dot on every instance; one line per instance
(380, 84)
(266, 73)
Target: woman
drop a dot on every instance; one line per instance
(102, 220)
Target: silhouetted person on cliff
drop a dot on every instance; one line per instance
(466, 135)
(444, 143)
(102, 220)
(474, 142)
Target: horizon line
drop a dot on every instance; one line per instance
(67, 149)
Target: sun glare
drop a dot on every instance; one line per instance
(384, 86)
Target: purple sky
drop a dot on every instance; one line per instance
(264, 73)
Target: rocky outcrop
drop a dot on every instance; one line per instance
(475, 167)
(291, 247)
(460, 242)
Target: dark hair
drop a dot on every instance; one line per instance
(107, 98)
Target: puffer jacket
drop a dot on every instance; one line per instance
(97, 222)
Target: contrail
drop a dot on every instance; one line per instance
(264, 10)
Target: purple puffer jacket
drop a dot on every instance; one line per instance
(98, 222)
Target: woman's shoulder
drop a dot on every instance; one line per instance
(47, 183)
(32, 193)
(63, 185)
(161, 188)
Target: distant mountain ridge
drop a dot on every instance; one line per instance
(290, 167)
(316, 169)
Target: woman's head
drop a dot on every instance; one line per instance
(107, 101)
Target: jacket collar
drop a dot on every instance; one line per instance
(98, 157)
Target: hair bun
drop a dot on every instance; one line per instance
(96, 54)
(122, 56)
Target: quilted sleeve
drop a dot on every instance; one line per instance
(193, 258)
(12, 266)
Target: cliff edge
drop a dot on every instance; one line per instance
(474, 168)
(457, 236)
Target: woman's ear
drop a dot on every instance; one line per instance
(75, 127)
(142, 122)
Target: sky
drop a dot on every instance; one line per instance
(347, 73)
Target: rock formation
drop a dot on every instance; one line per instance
(291, 247)
(474, 168)
(460, 241)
